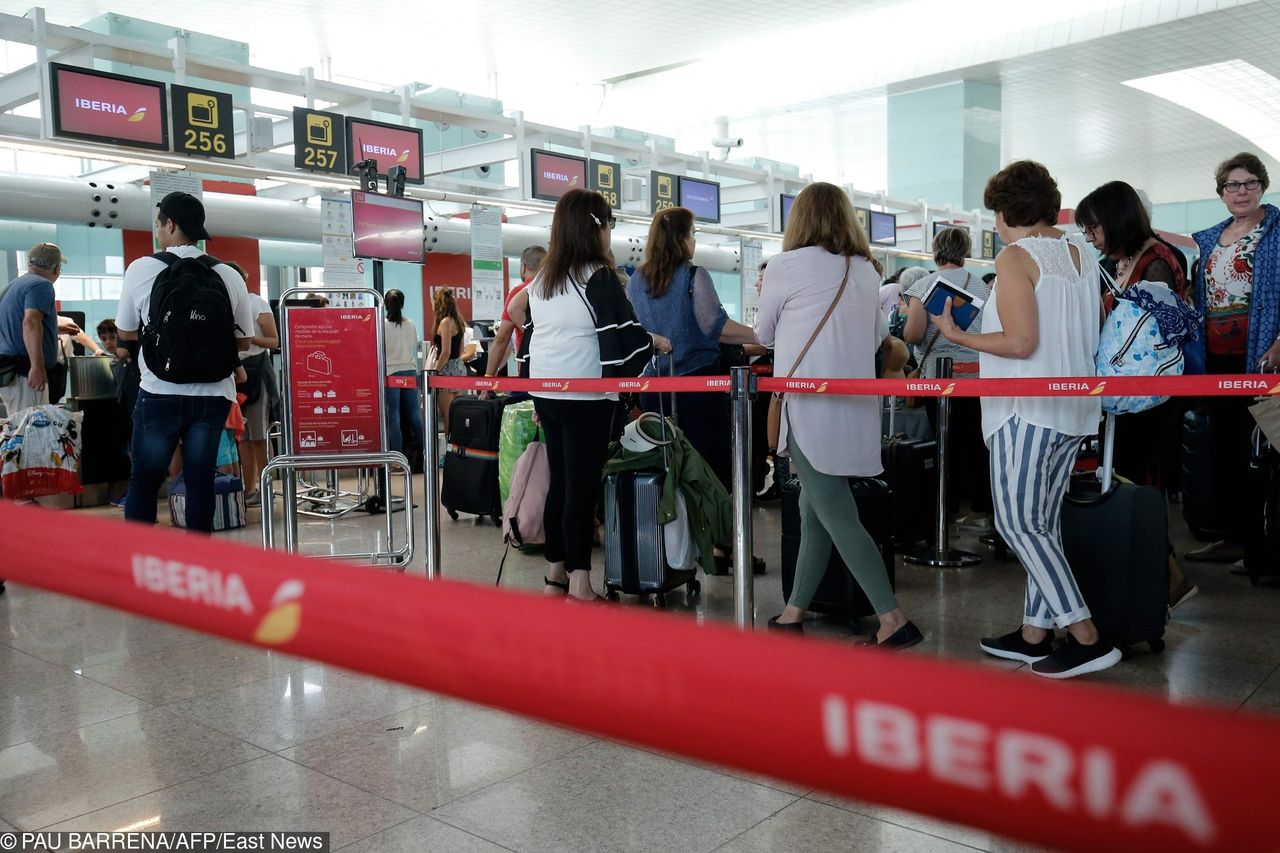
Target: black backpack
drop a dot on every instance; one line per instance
(191, 333)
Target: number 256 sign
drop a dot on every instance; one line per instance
(202, 122)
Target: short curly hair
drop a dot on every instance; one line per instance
(1025, 193)
(1244, 160)
(951, 246)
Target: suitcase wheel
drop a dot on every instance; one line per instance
(1157, 646)
(1, 587)
(612, 595)
(693, 588)
(453, 514)
(496, 519)
(660, 600)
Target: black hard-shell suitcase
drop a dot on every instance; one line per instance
(1117, 543)
(839, 594)
(469, 481)
(1262, 558)
(910, 472)
(1198, 505)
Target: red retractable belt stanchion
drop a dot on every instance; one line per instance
(1064, 765)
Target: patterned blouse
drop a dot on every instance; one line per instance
(1229, 275)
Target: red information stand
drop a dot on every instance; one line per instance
(334, 379)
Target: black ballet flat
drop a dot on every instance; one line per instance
(903, 638)
(791, 627)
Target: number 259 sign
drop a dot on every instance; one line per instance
(202, 122)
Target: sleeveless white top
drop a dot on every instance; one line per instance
(1068, 303)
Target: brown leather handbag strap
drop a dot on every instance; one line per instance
(844, 282)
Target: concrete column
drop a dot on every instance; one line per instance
(944, 142)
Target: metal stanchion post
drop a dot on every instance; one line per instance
(431, 473)
(942, 555)
(743, 577)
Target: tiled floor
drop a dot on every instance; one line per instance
(109, 721)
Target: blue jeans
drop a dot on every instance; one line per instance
(403, 403)
(160, 421)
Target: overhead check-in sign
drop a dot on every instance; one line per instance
(109, 108)
(662, 191)
(387, 145)
(319, 141)
(202, 122)
(606, 179)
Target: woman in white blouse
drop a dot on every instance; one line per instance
(825, 268)
(1042, 320)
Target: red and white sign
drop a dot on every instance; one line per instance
(109, 107)
(334, 380)
(387, 228)
(388, 144)
(556, 174)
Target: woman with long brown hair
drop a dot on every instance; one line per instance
(820, 310)
(448, 345)
(678, 300)
(581, 326)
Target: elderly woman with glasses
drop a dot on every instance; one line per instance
(1237, 291)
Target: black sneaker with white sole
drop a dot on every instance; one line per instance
(1013, 646)
(1071, 659)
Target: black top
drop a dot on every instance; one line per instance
(455, 344)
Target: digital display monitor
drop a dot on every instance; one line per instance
(939, 227)
(700, 197)
(387, 144)
(109, 108)
(556, 174)
(387, 228)
(884, 228)
(787, 201)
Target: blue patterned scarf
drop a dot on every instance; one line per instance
(1264, 304)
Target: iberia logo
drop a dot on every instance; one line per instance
(283, 620)
(950, 389)
(1275, 390)
(645, 386)
(139, 114)
(1102, 386)
(403, 158)
(564, 386)
(494, 386)
(822, 387)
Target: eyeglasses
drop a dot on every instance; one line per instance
(1089, 231)
(1235, 186)
(611, 222)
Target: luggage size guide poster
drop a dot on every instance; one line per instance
(334, 380)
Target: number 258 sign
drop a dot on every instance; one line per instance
(202, 122)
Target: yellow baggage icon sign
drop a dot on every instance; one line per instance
(319, 130)
(202, 110)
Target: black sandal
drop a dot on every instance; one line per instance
(561, 585)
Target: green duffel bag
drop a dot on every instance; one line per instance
(516, 433)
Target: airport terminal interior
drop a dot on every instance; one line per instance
(358, 166)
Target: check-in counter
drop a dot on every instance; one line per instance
(104, 454)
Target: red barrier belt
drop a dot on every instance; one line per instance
(1063, 765)
(1089, 386)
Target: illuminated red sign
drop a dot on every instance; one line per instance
(387, 144)
(556, 174)
(387, 228)
(334, 381)
(110, 108)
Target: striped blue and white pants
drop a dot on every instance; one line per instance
(1030, 472)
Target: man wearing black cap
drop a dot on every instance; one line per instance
(194, 413)
(29, 329)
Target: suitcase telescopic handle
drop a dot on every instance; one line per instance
(662, 414)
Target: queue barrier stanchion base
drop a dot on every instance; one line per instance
(952, 558)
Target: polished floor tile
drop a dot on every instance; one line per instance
(606, 797)
(951, 832)
(208, 666)
(437, 753)
(61, 776)
(1266, 699)
(40, 698)
(812, 827)
(268, 793)
(423, 835)
(290, 709)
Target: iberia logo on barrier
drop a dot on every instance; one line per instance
(282, 622)
(1102, 386)
(949, 390)
(822, 388)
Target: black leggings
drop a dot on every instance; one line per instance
(578, 434)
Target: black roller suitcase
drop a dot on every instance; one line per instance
(635, 558)
(839, 594)
(1198, 505)
(469, 481)
(1117, 543)
(910, 472)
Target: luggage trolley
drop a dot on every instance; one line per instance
(334, 420)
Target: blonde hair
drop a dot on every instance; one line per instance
(823, 216)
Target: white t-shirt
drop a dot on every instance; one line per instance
(401, 345)
(135, 305)
(258, 306)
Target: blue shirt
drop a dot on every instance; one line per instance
(23, 293)
(689, 314)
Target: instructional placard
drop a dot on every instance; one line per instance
(341, 267)
(486, 263)
(752, 254)
(162, 183)
(334, 380)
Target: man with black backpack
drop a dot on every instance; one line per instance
(192, 316)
